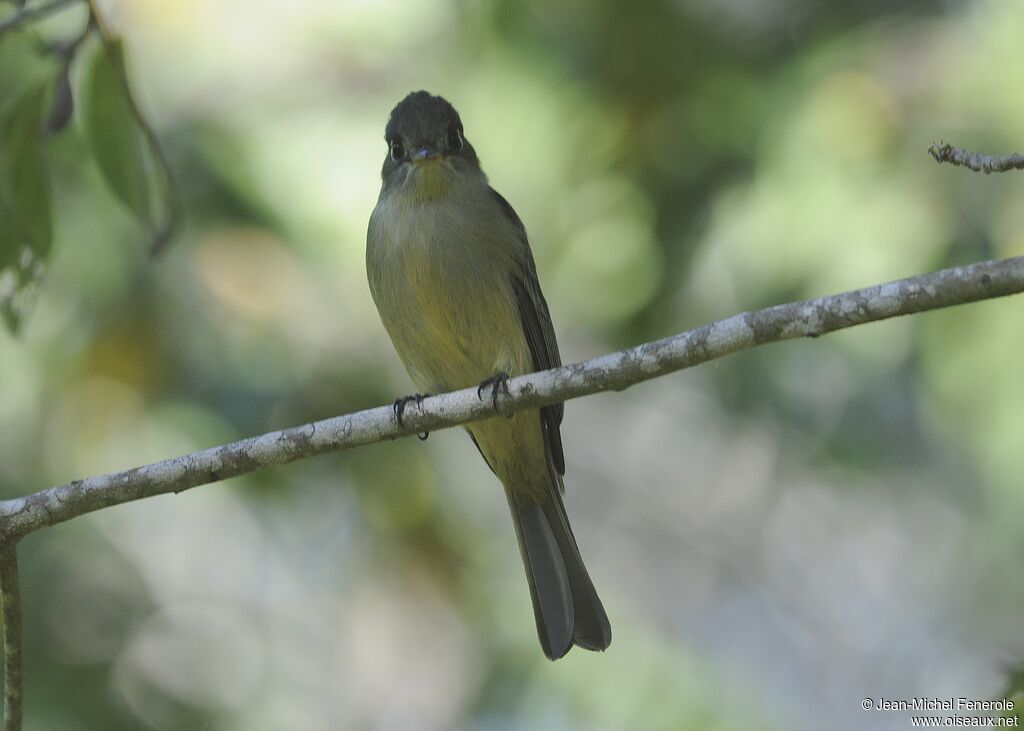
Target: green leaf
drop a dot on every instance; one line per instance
(21, 68)
(26, 228)
(112, 131)
(24, 187)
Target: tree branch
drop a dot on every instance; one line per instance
(616, 371)
(975, 160)
(10, 602)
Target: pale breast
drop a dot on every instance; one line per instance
(440, 277)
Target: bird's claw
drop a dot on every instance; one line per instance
(497, 382)
(399, 408)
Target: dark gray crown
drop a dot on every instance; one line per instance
(421, 118)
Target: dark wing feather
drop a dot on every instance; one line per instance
(539, 332)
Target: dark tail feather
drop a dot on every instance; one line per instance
(565, 604)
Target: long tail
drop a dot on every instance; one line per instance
(565, 604)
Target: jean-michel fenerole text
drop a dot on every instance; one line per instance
(943, 704)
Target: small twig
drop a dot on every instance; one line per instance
(97, 18)
(63, 105)
(975, 160)
(10, 601)
(165, 231)
(25, 14)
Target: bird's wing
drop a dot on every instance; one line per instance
(539, 332)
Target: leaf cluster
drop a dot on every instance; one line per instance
(38, 100)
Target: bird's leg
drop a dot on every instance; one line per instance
(400, 405)
(497, 382)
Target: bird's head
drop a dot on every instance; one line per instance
(428, 153)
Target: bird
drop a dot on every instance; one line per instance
(455, 284)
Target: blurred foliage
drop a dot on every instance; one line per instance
(110, 128)
(37, 101)
(776, 536)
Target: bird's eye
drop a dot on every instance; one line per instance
(454, 139)
(397, 150)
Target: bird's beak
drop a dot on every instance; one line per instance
(425, 154)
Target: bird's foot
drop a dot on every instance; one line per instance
(497, 383)
(402, 403)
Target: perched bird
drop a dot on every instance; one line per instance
(454, 281)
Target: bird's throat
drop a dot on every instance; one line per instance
(429, 180)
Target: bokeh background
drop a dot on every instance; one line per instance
(776, 535)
